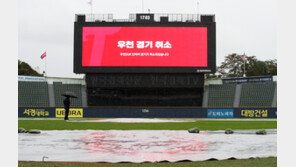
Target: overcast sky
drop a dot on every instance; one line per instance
(47, 25)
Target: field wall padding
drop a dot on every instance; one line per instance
(148, 112)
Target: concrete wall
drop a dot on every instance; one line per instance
(50, 80)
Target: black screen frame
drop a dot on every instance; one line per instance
(211, 39)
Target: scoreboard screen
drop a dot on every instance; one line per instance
(144, 48)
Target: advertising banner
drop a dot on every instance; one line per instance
(220, 113)
(38, 112)
(144, 47)
(145, 112)
(73, 113)
(247, 80)
(109, 112)
(256, 113)
(31, 78)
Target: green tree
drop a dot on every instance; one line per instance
(25, 69)
(272, 67)
(233, 66)
(259, 68)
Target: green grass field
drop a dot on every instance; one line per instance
(255, 162)
(202, 125)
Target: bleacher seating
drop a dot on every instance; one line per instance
(221, 95)
(60, 88)
(251, 95)
(257, 94)
(33, 94)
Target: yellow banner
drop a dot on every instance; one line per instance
(73, 113)
(254, 113)
(36, 112)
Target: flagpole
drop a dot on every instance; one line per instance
(91, 11)
(45, 64)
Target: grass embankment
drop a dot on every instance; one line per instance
(202, 125)
(256, 162)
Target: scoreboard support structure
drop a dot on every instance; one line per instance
(145, 89)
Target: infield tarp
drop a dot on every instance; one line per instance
(144, 145)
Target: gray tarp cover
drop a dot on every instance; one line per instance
(144, 145)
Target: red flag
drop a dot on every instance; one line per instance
(43, 55)
(244, 57)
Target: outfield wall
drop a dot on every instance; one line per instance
(138, 112)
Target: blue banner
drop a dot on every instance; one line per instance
(165, 112)
(255, 113)
(220, 113)
(247, 80)
(31, 78)
(37, 112)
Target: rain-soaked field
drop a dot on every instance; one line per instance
(92, 144)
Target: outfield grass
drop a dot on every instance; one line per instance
(201, 124)
(256, 162)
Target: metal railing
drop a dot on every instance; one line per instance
(132, 17)
(98, 17)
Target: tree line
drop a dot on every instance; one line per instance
(25, 69)
(234, 66)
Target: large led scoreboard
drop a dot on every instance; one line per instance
(145, 47)
(145, 61)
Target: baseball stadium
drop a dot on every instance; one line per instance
(145, 100)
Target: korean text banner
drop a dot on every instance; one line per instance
(144, 47)
(220, 113)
